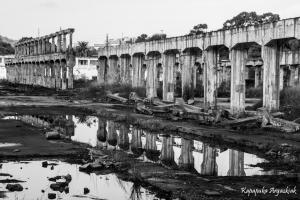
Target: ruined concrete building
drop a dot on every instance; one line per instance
(46, 61)
(175, 63)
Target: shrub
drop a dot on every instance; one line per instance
(254, 92)
(289, 102)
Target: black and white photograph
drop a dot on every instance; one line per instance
(150, 99)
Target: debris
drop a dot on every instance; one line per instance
(133, 96)
(52, 135)
(141, 108)
(14, 187)
(117, 98)
(16, 150)
(51, 196)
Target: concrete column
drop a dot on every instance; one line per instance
(257, 76)
(113, 74)
(188, 63)
(57, 67)
(210, 77)
(64, 43)
(151, 80)
(136, 142)
(186, 159)
(125, 71)
(238, 88)
(59, 43)
(137, 64)
(70, 65)
(281, 74)
(271, 76)
(53, 49)
(168, 76)
(70, 40)
(101, 69)
(292, 81)
(64, 75)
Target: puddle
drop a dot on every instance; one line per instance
(108, 187)
(3, 145)
(188, 154)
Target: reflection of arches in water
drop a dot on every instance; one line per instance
(186, 159)
(209, 164)
(167, 152)
(236, 163)
(136, 142)
(151, 148)
(101, 132)
(123, 141)
(112, 133)
(70, 126)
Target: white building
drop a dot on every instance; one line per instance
(3, 60)
(86, 68)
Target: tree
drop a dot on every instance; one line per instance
(198, 29)
(6, 48)
(157, 36)
(141, 38)
(82, 49)
(24, 39)
(249, 19)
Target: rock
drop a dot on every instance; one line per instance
(86, 190)
(14, 187)
(51, 196)
(52, 135)
(52, 167)
(212, 193)
(68, 178)
(43, 191)
(59, 186)
(67, 190)
(45, 164)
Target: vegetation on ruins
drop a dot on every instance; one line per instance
(6, 48)
(83, 50)
(198, 29)
(144, 37)
(250, 18)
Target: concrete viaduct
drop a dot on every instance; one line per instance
(150, 61)
(46, 61)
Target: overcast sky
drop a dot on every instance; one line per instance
(93, 19)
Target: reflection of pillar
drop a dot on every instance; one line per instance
(237, 95)
(271, 76)
(70, 126)
(151, 87)
(101, 132)
(136, 142)
(151, 149)
(209, 164)
(111, 133)
(123, 142)
(137, 64)
(210, 68)
(169, 79)
(167, 152)
(63, 75)
(236, 163)
(186, 159)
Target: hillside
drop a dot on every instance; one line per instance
(8, 40)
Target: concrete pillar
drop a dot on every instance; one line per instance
(292, 81)
(210, 61)
(125, 71)
(186, 159)
(236, 163)
(52, 74)
(113, 74)
(70, 65)
(63, 75)
(123, 139)
(57, 67)
(271, 76)
(169, 76)
(281, 75)
(136, 142)
(64, 43)
(238, 88)
(53, 47)
(188, 63)
(151, 81)
(58, 43)
(137, 64)
(70, 40)
(101, 69)
(257, 76)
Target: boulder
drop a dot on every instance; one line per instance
(14, 187)
(52, 135)
(51, 196)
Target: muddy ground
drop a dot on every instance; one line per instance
(281, 149)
